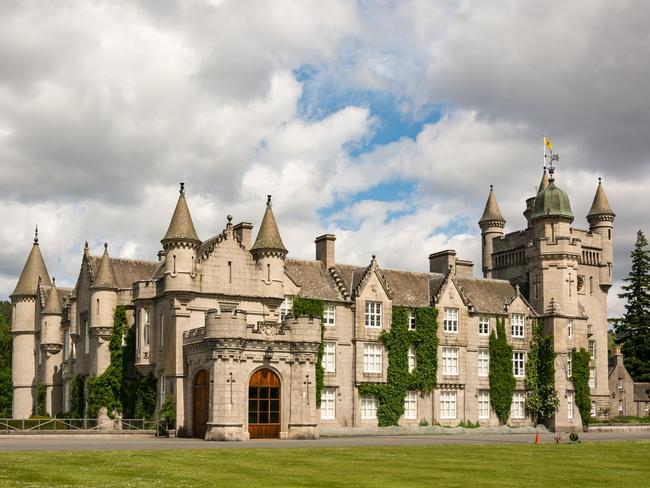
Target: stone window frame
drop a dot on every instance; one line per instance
(592, 377)
(286, 307)
(411, 320)
(483, 361)
(368, 407)
(448, 404)
(450, 323)
(328, 404)
(518, 407)
(484, 326)
(517, 325)
(519, 364)
(372, 358)
(329, 315)
(411, 358)
(329, 356)
(372, 314)
(411, 405)
(450, 361)
(483, 404)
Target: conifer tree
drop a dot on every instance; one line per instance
(502, 380)
(633, 330)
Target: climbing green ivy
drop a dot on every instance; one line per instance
(41, 393)
(541, 399)
(502, 380)
(77, 397)
(398, 340)
(580, 378)
(311, 307)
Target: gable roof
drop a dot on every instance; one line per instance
(126, 271)
(486, 295)
(642, 392)
(313, 279)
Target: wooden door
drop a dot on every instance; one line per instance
(201, 390)
(264, 404)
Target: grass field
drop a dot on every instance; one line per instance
(594, 464)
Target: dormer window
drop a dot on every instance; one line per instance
(372, 315)
(450, 322)
(517, 325)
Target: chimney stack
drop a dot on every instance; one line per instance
(325, 249)
(440, 262)
(244, 232)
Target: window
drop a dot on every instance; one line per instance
(569, 328)
(161, 332)
(569, 366)
(483, 404)
(620, 383)
(373, 314)
(411, 359)
(411, 406)
(146, 327)
(161, 389)
(329, 315)
(620, 405)
(591, 347)
(518, 363)
(483, 326)
(569, 405)
(411, 320)
(483, 362)
(372, 358)
(329, 357)
(447, 404)
(328, 404)
(592, 377)
(368, 407)
(593, 409)
(517, 325)
(450, 323)
(86, 337)
(517, 411)
(286, 308)
(450, 360)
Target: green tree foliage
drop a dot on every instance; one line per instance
(541, 399)
(145, 404)
(168, 412)
(41, 405)
(130, 376)
(106, 390)
(307, 307)
(77, 400)
(633, 330)
(502, 380)
(398, 340)
(580, 377)
(6, 346)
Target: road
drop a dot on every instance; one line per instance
(60, 443)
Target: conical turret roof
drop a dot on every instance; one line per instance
(268, 238)
(600, 206)
(181, 227)
(491, 212)
(52, 306)
(543, 185)
(105, 277)
(33, 270)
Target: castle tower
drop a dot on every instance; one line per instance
(530, 202)
(601, 221)
(180, 244)
(103, 300)
(23, 328)
(491, 224)
(269, 252)
(51, 345)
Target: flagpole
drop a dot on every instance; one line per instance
(544, 151)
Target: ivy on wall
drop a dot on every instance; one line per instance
(77, 400)
(106, 389)
(398, 340)
(541, 399)
(502, 380)
(580, 378)
(311, 307)
(41, 393)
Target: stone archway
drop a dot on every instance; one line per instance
(200, 403)
(264, 404)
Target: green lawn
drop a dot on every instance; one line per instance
(565, 466)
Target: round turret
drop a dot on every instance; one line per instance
(552, 202)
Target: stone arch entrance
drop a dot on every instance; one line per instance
(200, 403)
(264, 404)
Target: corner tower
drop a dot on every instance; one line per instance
(51, 345)
(601, 221)
(269, 252)
(180, 245)
(25, 309)
(491, 224)
(103, 300)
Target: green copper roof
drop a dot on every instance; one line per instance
(268, 238)
(552, 202)
(181, 227)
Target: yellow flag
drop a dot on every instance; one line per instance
(548, 144)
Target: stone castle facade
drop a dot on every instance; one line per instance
(213, 323)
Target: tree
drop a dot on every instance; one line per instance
(580, 379)
(633, 330)
(502, 380)
(541, 399)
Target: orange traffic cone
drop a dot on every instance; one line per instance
(537, 439)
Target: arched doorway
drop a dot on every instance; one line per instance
(264, 404)
(201, 390)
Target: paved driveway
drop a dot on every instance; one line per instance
(60, 443)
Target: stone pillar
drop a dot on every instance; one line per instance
(226, 419)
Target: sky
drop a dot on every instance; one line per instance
(383, 122)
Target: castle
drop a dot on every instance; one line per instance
(213, 322)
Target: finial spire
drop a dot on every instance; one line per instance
(36, 235)
(268, 200)
(106, 248)
(53, 281)
(182, 190)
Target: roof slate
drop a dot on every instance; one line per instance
(268, 238)
(181, 226)
(313, 279)
(487, 295)
(34, 267)
(600, 205)
(128, 271)
(642, 392)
